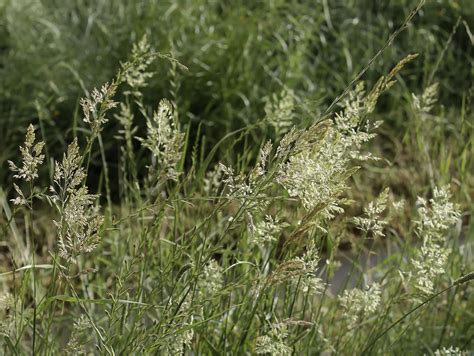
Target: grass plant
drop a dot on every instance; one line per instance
(289, 208)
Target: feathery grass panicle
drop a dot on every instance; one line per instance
(436, 215)
(280, 111)
(300, 270)
(317, 168)
(373, 221)
(80, 331)
(265, 230)
(320, 159)
(96, 106)
(32, 157)
(135, 71)
(213, 180)
(430, 263)
(248, 190)
(274, 342)
(211, 280)
(358, 304)
(424, 104)
(79, 224)
(263, 160)
(450, 351)
(164, 141)
(315, 174)
(237, 184)
(181, 334)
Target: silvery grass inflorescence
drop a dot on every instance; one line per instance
(95, 107)
(213, 180)
(436, 216)
(32, 157)
(300, 270)
(274, 342)
(181, 333)
(136, 73)
(279, 111)
(80, 332)
(450, 351)
(165, 141)
(424, 104)
(250, 190)
(315, 174)
(358, 304)
(373, 221)
(266, 230)
(318, 160)
(316, 163)
(429, 263)
(79, 225)
(211, 280)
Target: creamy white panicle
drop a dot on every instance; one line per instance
(79, 223)
(32, 157)
(450, 351)
(164, 140)
(360, 303)
(372, 221)
(274, 342)
(436, 216)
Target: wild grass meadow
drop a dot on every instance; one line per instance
(202, 177)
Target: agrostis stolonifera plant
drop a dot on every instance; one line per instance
(196, 256)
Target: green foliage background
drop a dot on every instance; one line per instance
(53, 52)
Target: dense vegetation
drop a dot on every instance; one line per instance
(248, 177)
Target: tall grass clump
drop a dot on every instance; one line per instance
(190, 252)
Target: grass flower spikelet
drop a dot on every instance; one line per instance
(32, 157)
